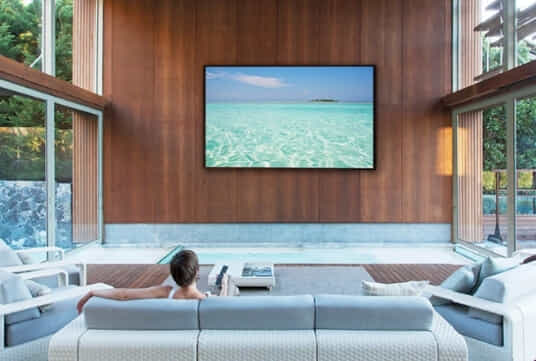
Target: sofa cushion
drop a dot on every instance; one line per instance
(14, 289)
(338, 312)
(411, 288)
(257, 313)
(151, 314)
(504, 288)
(8, 257)
(463, 280)
(458, 317)
(49, 323)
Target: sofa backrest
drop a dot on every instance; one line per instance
(338, 312)
(153, 314)
(257, 313)
(510, 285)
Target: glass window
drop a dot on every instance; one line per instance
(76, 170)
(482, 180)
(20, 31)
(23, 199)
(64, 39)
(526, 31)
(526, 173)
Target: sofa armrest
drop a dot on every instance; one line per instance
(59, 251)
(60, 272)
(49, 265)
(470, 301)
(49, 299)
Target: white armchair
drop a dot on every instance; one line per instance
(518, 325)
(56, 261)
(29, 340)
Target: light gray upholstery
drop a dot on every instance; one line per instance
(463, 280)
(49, 323)
(458, 317)
(338, 312)
(257, 313)
(153, 314)
(14, 289)
(495, 265)
(504, 288)
(52, 281)
(8, 257)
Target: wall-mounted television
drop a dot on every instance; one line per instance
(289, 117)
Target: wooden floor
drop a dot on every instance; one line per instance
(134, 276)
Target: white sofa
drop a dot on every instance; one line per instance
(506, 331)
(290, 328)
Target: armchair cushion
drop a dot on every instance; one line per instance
(495, 265)
(46, 325)
(458, 317)
(463, 280)
(8, 257)
(338, 312)
(13, 289)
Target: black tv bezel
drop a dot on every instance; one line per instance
(374, 155)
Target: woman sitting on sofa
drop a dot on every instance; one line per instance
(184, 269)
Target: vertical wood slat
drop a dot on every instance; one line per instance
(85, 126)
(470, 130)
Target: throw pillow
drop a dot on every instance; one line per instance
(13, 289)
(8, 257)
(463, 281)
(412, 288)
(493, 266)
(38, 290)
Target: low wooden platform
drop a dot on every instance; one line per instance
(145, 275)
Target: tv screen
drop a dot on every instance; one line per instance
(289, 117)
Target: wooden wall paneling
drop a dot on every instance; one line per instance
(215, 43)
(173, 112)
(298, 33)
(84, 127)
(383, 48)
(339, 190)
(109, 200)
(135, 150)
(257, 194)
(426, 147)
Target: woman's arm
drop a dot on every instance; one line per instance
(125, 294)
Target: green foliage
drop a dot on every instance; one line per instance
(494, 138)
(22, 136)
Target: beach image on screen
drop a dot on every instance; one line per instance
(289, 117)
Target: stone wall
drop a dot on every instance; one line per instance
(23, 214)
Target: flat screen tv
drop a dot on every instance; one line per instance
(289, 117)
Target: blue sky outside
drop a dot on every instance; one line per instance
(289, 83)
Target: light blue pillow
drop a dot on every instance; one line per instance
(8, 257)
(463, 281)
(14, 289)
(493, 266)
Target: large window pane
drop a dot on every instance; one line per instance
(482, 180)
(526, 173)
(76, 177)
(526, 30)
(23, 197)
(20, 31)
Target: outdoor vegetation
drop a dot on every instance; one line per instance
(22, 132)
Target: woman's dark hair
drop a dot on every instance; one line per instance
(184, 267)
(530, 259)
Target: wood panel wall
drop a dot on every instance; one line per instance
(154, 52)
(470, 131)
(85, 126)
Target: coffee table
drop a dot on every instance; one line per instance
(246, 274)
